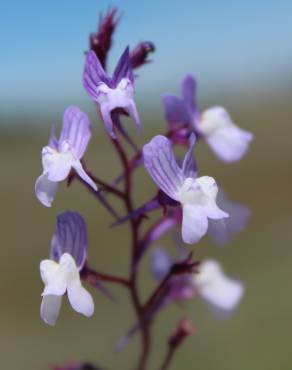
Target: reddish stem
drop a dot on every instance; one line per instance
(135, 223)
(168, 358)
(154, 297)
(92, 275)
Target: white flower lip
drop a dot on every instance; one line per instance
(60, 278)
(120, 96)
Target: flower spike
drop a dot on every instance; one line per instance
(63, 154)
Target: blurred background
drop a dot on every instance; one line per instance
(241, 53)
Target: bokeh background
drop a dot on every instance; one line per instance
(241, 53)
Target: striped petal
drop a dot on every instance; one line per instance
(70, 237)
(161, 165)
(76, 130)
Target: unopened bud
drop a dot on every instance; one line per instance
(184, 330)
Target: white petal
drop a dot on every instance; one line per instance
(50, 308)
(216, 288)
(194, 223)
(80, 171)
(45, 190)
(57, 276)
(230, 143)
(80, 300)
(48, 268)
(60, 168)
(227, 140)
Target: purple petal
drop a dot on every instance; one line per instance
(107, 120)
(81, 173)
(93, 74)
(76, 130)
(189, 166)
(188, 92)
(175, 110)
(161, 165)
(70, 237)
(53, 141)
(123, 68)
(222, 231)
(160, 263)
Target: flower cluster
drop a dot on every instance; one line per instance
(194, 203)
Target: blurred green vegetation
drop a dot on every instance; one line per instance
(257, 336)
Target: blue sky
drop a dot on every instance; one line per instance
(228, 45)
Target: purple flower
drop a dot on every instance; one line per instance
(197, 195)
(60, 273)
(214, 125)
(63, 154)
(111, 92)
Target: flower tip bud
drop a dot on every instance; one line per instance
(184, 330)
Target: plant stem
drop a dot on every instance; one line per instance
(168, 358)
(134, 223)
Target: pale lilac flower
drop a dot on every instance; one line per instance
(63, 154)
(216, 288)
(111, 92)
(61, 273)
(214, 125)
(197, 195)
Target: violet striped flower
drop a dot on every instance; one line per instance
(60, 273)
(197, 195)
(63, 154)
(214, 125)
(111, 92)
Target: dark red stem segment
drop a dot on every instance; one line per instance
(168, 358)
(134, 224)
(91, 276)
